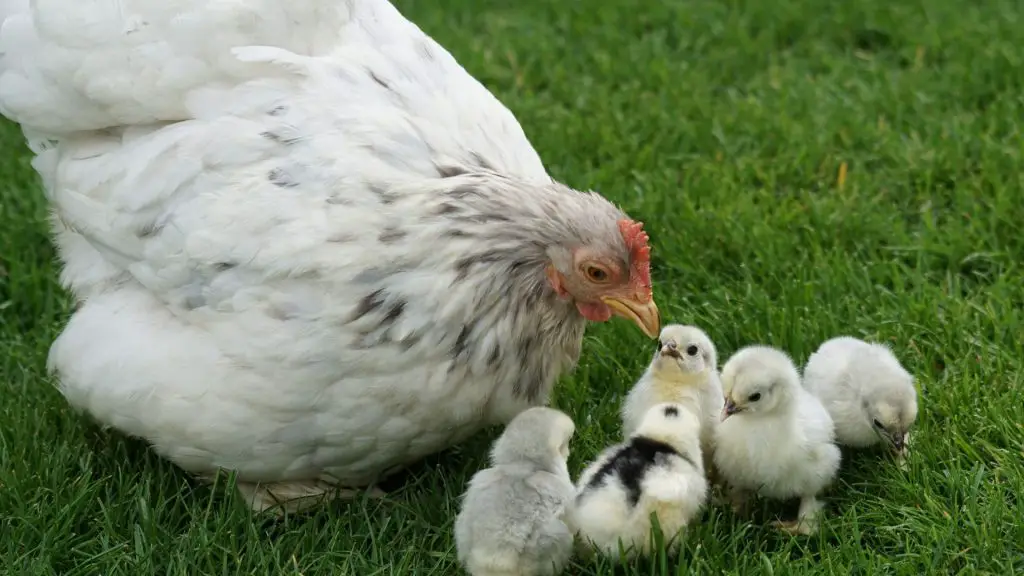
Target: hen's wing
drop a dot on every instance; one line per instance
(223, 154)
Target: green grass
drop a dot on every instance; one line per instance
(723, 125)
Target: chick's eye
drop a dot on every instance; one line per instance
(754, 397)
(596, 274)
(692, 350)
(877, 423)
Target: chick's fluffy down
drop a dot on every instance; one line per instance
(512, 517)
(781, 445)
(658, 472)
(865, 389)
(684, 370)
(511, 524)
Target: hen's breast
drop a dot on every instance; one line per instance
(132, 364)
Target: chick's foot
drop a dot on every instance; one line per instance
(739, 500)
(902, 452)
(806, 522)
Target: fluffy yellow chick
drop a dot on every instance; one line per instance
(684, 370)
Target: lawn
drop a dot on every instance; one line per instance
(806, 169)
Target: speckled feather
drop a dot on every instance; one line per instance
(307, 244)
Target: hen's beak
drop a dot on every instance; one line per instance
(645, 314)
(729, 409)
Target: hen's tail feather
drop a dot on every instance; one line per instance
(78, 65)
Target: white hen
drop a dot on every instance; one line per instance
(306, 244)
(775, 438)
(869, 395)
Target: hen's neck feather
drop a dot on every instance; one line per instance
(492, 237)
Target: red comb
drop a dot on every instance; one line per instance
(639, 251)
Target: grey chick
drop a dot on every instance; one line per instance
(512, 517)
(869, 395)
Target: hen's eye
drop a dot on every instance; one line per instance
(877, 423)
(596, 274)
(754, 397)
(692, 350)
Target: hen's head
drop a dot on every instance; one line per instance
(547, 236)
(608, 273)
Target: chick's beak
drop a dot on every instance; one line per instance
(671, 350)
(898, 440)
(644, 314)
(729, 409)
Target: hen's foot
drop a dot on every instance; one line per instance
(282, 498)
(796, 527)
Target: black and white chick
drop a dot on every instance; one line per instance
(657, 471)
(868, 393)
(684, 369)
(512, 521)
(775, 438)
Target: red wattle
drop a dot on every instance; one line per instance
(596, 312)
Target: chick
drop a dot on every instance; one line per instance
(658, 472)
(869, 395)
(774, 438)
(684, 370)
(512, 517)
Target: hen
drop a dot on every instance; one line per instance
(306, 244)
